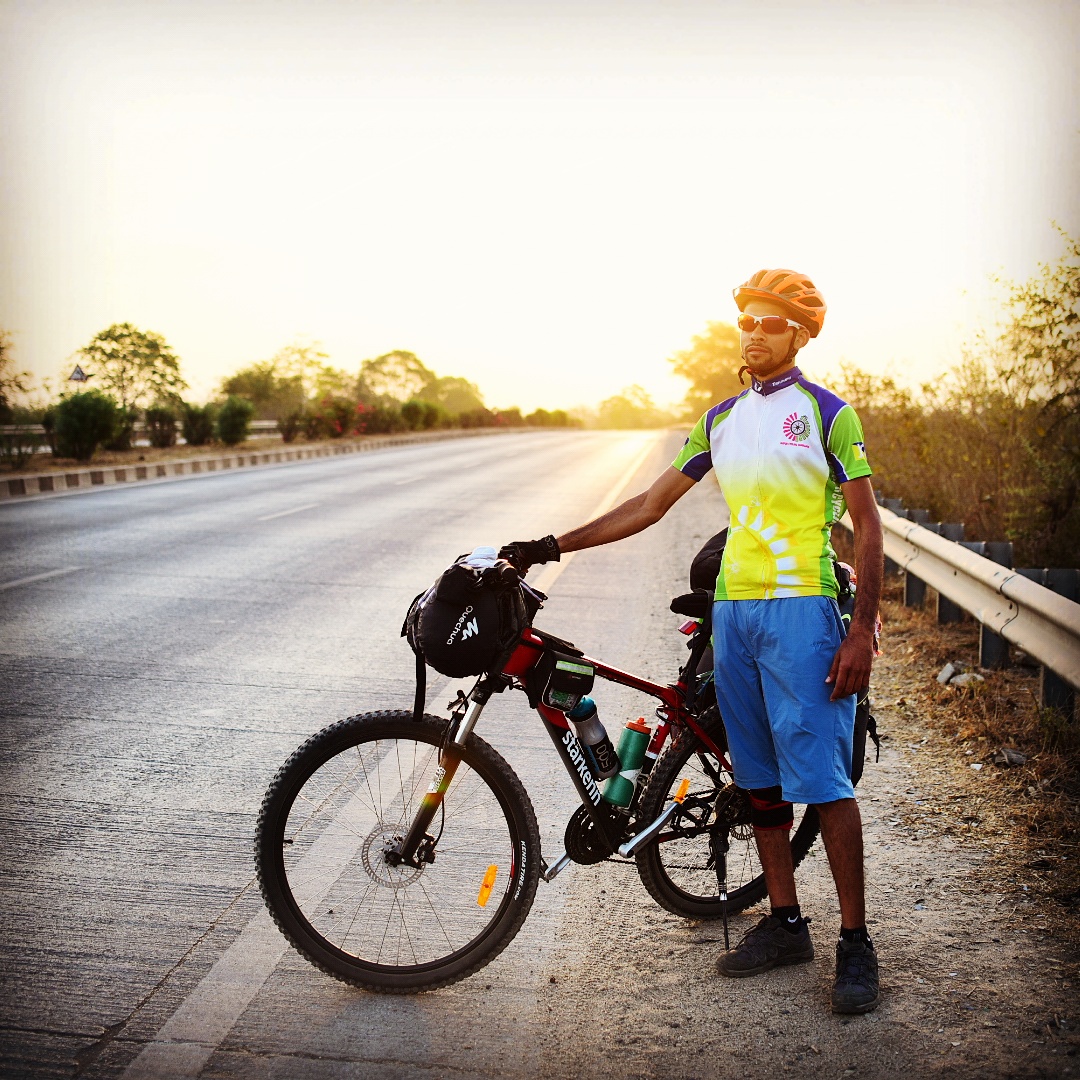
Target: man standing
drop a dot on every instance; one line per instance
(789, 456)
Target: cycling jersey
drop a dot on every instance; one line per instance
(780, 451)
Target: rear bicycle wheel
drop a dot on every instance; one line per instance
(711, 827)
(335, 809)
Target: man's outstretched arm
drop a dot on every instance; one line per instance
(631, 516)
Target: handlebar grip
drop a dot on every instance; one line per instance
(502, 573)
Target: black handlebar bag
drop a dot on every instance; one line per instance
(466, 623)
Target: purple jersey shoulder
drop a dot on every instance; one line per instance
(828, 403)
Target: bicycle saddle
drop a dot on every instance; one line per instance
(695, 605)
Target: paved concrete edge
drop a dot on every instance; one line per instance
(52, 483)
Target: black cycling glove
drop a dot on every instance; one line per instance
(526, 553)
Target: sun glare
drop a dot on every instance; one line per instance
(547, 200)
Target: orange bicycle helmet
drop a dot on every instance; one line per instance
(794, 292)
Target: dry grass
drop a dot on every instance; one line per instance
(1027, 815)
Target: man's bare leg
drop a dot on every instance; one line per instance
(841, 830)
(770, 944)
(774, 850)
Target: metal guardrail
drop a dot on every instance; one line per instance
(1031, 617)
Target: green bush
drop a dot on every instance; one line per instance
(291, 424)
(48, 422)
(379, 419)
(509, 417)
(335, 416)
(82, 422)
(434, 416)
(161, 426)
(197, 424)
(234, 420)
(123, 434)
(476, 418)
(422, 415)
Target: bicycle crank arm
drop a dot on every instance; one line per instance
(649, 832)
(549, 873)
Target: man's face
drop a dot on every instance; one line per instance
(766, 354)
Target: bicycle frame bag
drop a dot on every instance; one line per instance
(560, 680)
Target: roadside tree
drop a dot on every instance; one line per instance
(12, 381)
(452, 394)
(272, 392)
(136, 366)
(633, 408)
(397, 375)
(711, 366)
(995, 443)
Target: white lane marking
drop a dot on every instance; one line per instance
(39, 577)
(185, 1042)
(286, 513)
(550, 573)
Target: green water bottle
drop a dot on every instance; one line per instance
(633, 743)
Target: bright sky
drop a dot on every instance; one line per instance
(548, 198)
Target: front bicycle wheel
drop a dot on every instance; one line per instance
(710, 838)
(336, 809)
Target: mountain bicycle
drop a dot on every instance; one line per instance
(401, 854)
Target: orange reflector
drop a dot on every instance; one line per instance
(487, 885)
(684, 787)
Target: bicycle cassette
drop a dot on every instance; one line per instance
(733, 812)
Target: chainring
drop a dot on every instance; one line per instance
(583, 841)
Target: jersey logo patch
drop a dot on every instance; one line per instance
(796, 430)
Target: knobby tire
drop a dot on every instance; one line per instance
(327, 820)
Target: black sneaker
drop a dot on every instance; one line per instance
(766, 946)
(856, 987)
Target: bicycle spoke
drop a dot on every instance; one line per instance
(352, 809)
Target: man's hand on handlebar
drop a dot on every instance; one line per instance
(526, 553)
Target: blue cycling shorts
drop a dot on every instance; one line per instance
(772, 658)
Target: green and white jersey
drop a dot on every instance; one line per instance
(780, 451)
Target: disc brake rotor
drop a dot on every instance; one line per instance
(373, 856)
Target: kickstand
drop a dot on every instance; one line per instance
(720, 849)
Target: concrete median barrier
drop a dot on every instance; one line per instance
(49, 483)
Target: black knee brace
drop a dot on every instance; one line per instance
(768, 810)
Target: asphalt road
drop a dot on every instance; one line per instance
(165, 647)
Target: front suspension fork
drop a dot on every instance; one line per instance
(449, 760)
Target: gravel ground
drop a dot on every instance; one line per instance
(978, 974)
